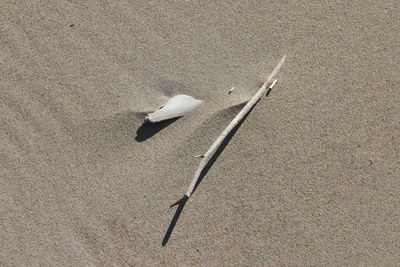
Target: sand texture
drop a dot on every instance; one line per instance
(310, 178)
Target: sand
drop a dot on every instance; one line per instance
(311, 177)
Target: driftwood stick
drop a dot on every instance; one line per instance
(217, 143)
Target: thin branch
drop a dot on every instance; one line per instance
(217, 143)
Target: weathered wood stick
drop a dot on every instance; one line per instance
(217, 143)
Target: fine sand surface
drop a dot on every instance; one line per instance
(311, 177)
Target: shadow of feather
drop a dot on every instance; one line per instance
(149, 129)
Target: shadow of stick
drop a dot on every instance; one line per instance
(182, 202)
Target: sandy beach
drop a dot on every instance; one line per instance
(310, 178)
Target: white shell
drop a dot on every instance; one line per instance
(176, 107)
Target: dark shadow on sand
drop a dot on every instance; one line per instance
(182, 202)
(148, 129)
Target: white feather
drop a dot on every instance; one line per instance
(176, 107)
